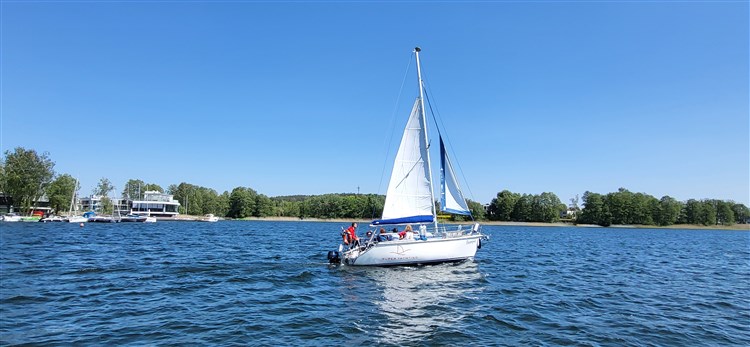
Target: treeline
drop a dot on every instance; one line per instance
(243, 202)
(515, 207)
(624, 207)
(27, 176)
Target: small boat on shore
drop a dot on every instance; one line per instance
(209, 218)
(10, 217)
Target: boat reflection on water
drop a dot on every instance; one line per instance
(416, 302)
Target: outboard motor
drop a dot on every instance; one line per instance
(333, 257)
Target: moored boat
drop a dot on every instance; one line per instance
(77, 219)
(10, 217)
(209, 218)
(73, 216)
(137, 218)
(53, 219)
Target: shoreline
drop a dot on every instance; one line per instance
(737, 227)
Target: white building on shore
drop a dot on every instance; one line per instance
(156, 204)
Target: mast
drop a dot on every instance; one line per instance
(73, 198)
(426, 138)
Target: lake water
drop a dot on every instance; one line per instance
(268, 283)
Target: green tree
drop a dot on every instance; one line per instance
(501, 208)
(153, 187)
(263, 206)
(724, 213)
(620, 205)
(522, 210)
(594, 211)
(477, 210)
(691, 213)
(741, 213)
(643, 206)
(104, 187)
(222, 204)
(668, 211)
(707, 212)
(60, 192)
(26, 174)
(133, 189)
(241, 202)
(107, 205)
(546, 207)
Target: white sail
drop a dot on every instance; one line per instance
(409, 195)
(451, 199)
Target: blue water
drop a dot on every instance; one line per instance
(268, 283)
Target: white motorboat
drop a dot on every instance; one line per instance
(10, 217)
(137, 218)
(77, 219)
(53, 219)
(209, 218)
(409, 200)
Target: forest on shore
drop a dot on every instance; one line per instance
(26, 176)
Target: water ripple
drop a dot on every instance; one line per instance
(239, 283)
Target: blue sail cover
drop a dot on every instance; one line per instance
(451, 199)
(405, 220)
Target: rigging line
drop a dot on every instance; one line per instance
(409, 172)
(433, 112)
(393, 122)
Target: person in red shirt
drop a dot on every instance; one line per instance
(402, 235)
(350, 235)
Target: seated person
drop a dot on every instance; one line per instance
(383, 237)
(407, 234)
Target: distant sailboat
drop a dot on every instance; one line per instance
(73, 216)
(409, 200)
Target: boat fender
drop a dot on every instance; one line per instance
(479, 243)
(333, 257)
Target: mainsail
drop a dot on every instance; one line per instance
(409, 196)
(451, 199)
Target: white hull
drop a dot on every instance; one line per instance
(150, 219)
(54, 219)
(209, 218)
(11, 218)
(412, 252)
(77, 219)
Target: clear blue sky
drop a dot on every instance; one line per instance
(299, 97)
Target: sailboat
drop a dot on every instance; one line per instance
(409, 200)
(73, 216)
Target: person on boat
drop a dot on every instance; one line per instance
(408, 233)
(383, 237)
(394, 234)
(350, 235)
